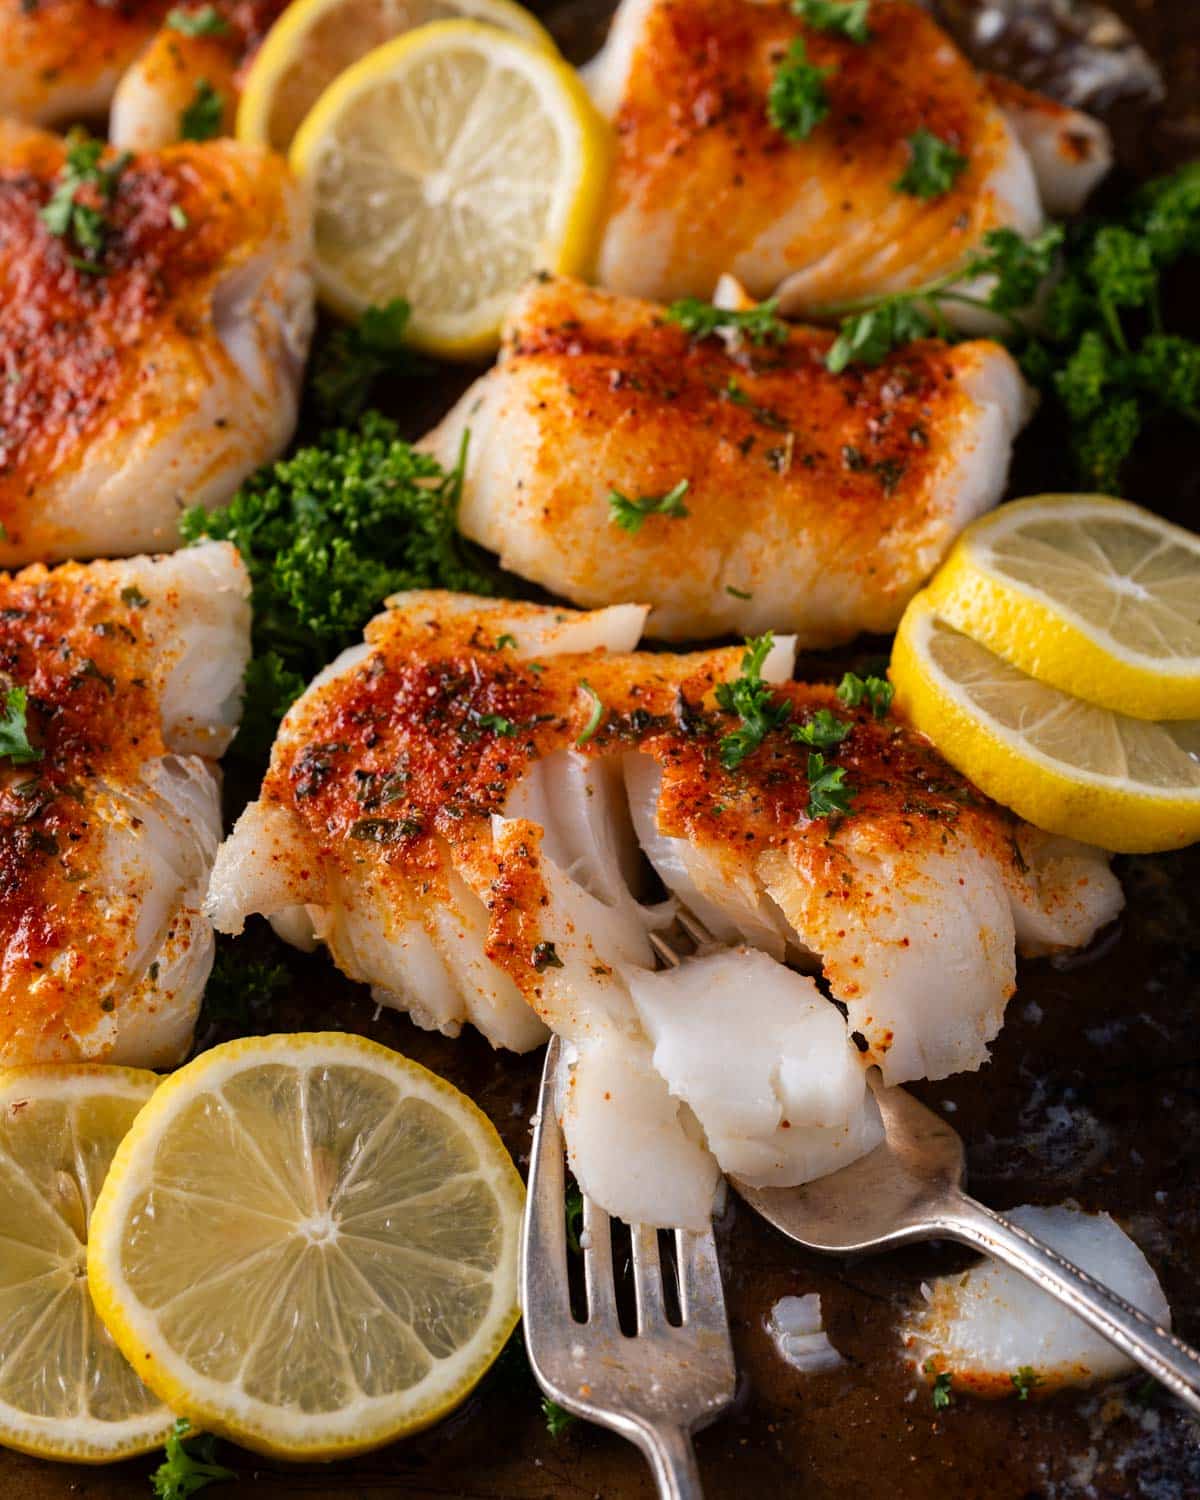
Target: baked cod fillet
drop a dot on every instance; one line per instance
(155, 373)
(705, 183)
(63, 61)
(815, 503)
(131, 675)
(455, 807)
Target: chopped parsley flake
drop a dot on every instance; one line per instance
(821, 730)
(846, 18)
(207, 21)
(545, 956)
(177, 216)
(760, 324)
(506, 640)
(133, 596)
(597, 713)
(187, 1468)
(828, 793)
(934, 166)
(350, 359)
(737, 593)
(201, 120)
(497, 723)
(1025, 1380)
(797, 100)
(14, 729)
(942, 1381)
(84, 224)
(558, 1419)
(630, 515)
(752, 700)
(877, 692)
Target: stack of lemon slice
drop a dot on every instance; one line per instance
(306, 1243)
(1055, 660)
(448, 149)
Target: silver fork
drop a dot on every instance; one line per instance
(655, 1388)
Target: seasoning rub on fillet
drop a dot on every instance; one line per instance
(120, 685)
(155, 312)
(803, 500)
(812, 164)
(455, 807)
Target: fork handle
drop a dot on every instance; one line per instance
(671, 1455)
(1157, 1350)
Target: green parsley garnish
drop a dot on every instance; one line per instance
(242, 993)
(327, 534)
(189, 1468)
(177, 216)
(797, 100)
(83, 223)
(821, 730)
(14, 729)
(201, 120)
(558, 1419)
(596, 714)
(827, 790)
(1025, 1380)
(630, 515)
(349, 360)
(505, 640)
(498, 723)
(760, 324)
(934, 166)
(752, 700)
(876, 691)
(737, 593)
(206, 21)
(942, 1382)
(872, 328)
(133, 596)
(846, 18)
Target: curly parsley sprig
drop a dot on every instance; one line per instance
(189, 1465)
(84, 191)
(797, 100)
(848, 18)
(753, 701)
(761, 324)
(15, 744)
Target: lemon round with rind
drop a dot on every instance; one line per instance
(402, 158)
(290, 1242)
(1093, 595)
(315, 40)
(1067, 766)
(63, 1396)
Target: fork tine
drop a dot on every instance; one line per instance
(700, 1291)
(544, 1258)
(664, 950)
(598, 1265)
(694, 928)
(647, 1277)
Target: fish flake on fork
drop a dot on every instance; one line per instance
(656, 1387)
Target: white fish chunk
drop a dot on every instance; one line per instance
(989, 1323)
(794, 1324)
(132, 673)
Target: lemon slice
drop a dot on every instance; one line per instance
(66, 1391)
(315, 40)
(444, 168)
(1092, 595)
(1065, 765)
(308, 1244)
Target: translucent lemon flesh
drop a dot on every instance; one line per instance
(1066, 765)
(315, 40)
(310, 1245)
(1091, 595)
(445, 168)
(66, 1391)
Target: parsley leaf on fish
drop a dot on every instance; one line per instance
(934, 166)
(846, 18)
(201, 120)
(797, 100)
(630, 515)
(14, 729)
(828, 793)
(753, 701)
(760, 324)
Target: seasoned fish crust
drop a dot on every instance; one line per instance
(161, 380)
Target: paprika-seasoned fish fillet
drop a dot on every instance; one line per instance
(66, 61)
(452, 809)
(125, 678)
(158, 370)
(705, 183)
(815, 503)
